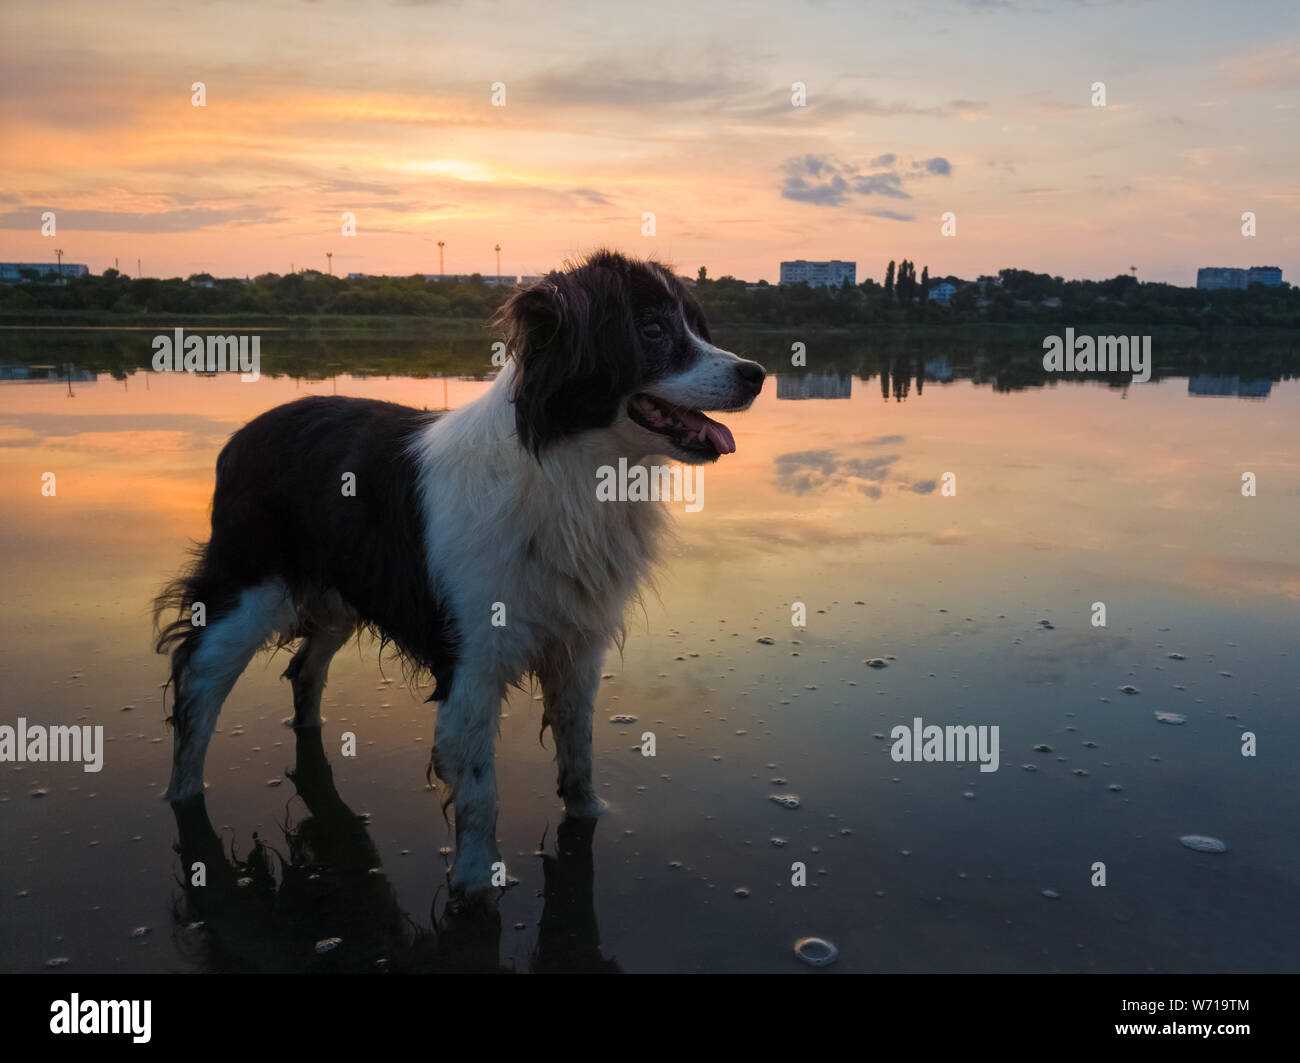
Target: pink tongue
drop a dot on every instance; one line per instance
(715, 432)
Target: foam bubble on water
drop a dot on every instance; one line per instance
(785, 800)
(1171, 718)
(1203, 843)
(1051, 895)
(765, 640)
(1176, 657)
(622, 718)
(1129, 689)
(327, 945)
(816, 952)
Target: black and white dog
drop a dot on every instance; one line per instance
(472, 542)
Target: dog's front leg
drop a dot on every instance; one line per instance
(464, 758)
(569, 677)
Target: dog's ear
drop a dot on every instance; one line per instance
(573, 339)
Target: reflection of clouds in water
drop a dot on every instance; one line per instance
(868, 468)
(107, 431)
(722, 539)
(805, 471)
(13, 436)
(125, 442)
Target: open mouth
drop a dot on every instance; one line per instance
(687, 429)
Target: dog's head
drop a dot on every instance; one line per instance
(621, 345)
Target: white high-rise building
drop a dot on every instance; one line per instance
(819, 274)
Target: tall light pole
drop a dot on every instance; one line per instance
(138, 272)
(329, 255)
(60, 254)
(441, 245)
(498, 251)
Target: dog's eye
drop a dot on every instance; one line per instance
(652, 331)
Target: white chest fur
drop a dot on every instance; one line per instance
(523, 551)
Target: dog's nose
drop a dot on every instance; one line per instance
(752, 374)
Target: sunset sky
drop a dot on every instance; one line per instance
(384, 109)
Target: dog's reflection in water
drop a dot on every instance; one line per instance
(246, 918)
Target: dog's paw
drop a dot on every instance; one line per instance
(585, 806)
(183, 788)
(476, 894)
(468, 905)
(477, 877)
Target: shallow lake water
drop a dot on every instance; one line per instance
(979, 600)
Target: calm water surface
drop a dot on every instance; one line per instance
(1066, 495)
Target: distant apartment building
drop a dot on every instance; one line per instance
(942, 293)
(1229, 385)
(938, 369)
(46, 374)
(819, 274)
(1269, 275)
(1215, 277)
(13, 271)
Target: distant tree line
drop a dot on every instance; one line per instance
(1013, 296)
(307, 292)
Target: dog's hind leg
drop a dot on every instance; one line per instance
(569, 678)
(211, 660)
(325, 629)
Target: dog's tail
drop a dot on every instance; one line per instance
(180, 636)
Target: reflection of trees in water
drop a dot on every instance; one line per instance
(267, 911)
(1007, 360)
(1014, 362)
